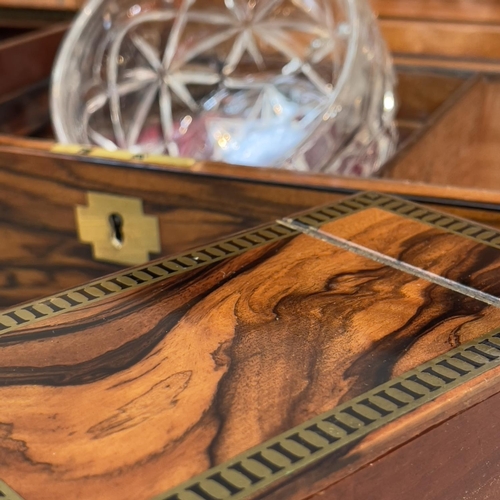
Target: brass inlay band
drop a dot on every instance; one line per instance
(321, 436)
(151, 273)
(121, 155)
(462, 227)
(7, 493)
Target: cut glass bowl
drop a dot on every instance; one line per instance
(299, 84)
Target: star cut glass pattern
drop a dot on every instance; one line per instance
(298, 84)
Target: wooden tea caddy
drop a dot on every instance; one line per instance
(348, 351)
(353, 348)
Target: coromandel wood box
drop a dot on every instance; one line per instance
(194, 203)
(351, 351)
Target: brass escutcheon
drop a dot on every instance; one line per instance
(117, 229)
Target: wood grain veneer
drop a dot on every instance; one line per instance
(452, 34)
(396, 476)
(130, 385)
(40, 253)
(468, 11)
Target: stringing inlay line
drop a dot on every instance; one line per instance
(392, 262)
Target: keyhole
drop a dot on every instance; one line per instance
(116, 223)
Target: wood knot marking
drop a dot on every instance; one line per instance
(221, 355)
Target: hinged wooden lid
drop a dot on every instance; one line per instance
(269, 364)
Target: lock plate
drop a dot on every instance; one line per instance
(117, 229)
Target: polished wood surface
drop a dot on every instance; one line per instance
(455, 433)
(149, 386)
(40, 252)
(436, 156)
(471, 66)
(32, 19)
(458, 40)
(420, 94)
(454, 34)
(452, 40)
(25, 112)
(422, 247)
(11, 32)
(470, 11)
(27, 59)
(40, 256)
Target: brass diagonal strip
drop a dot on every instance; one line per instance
(7, 493)
(363, 251)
